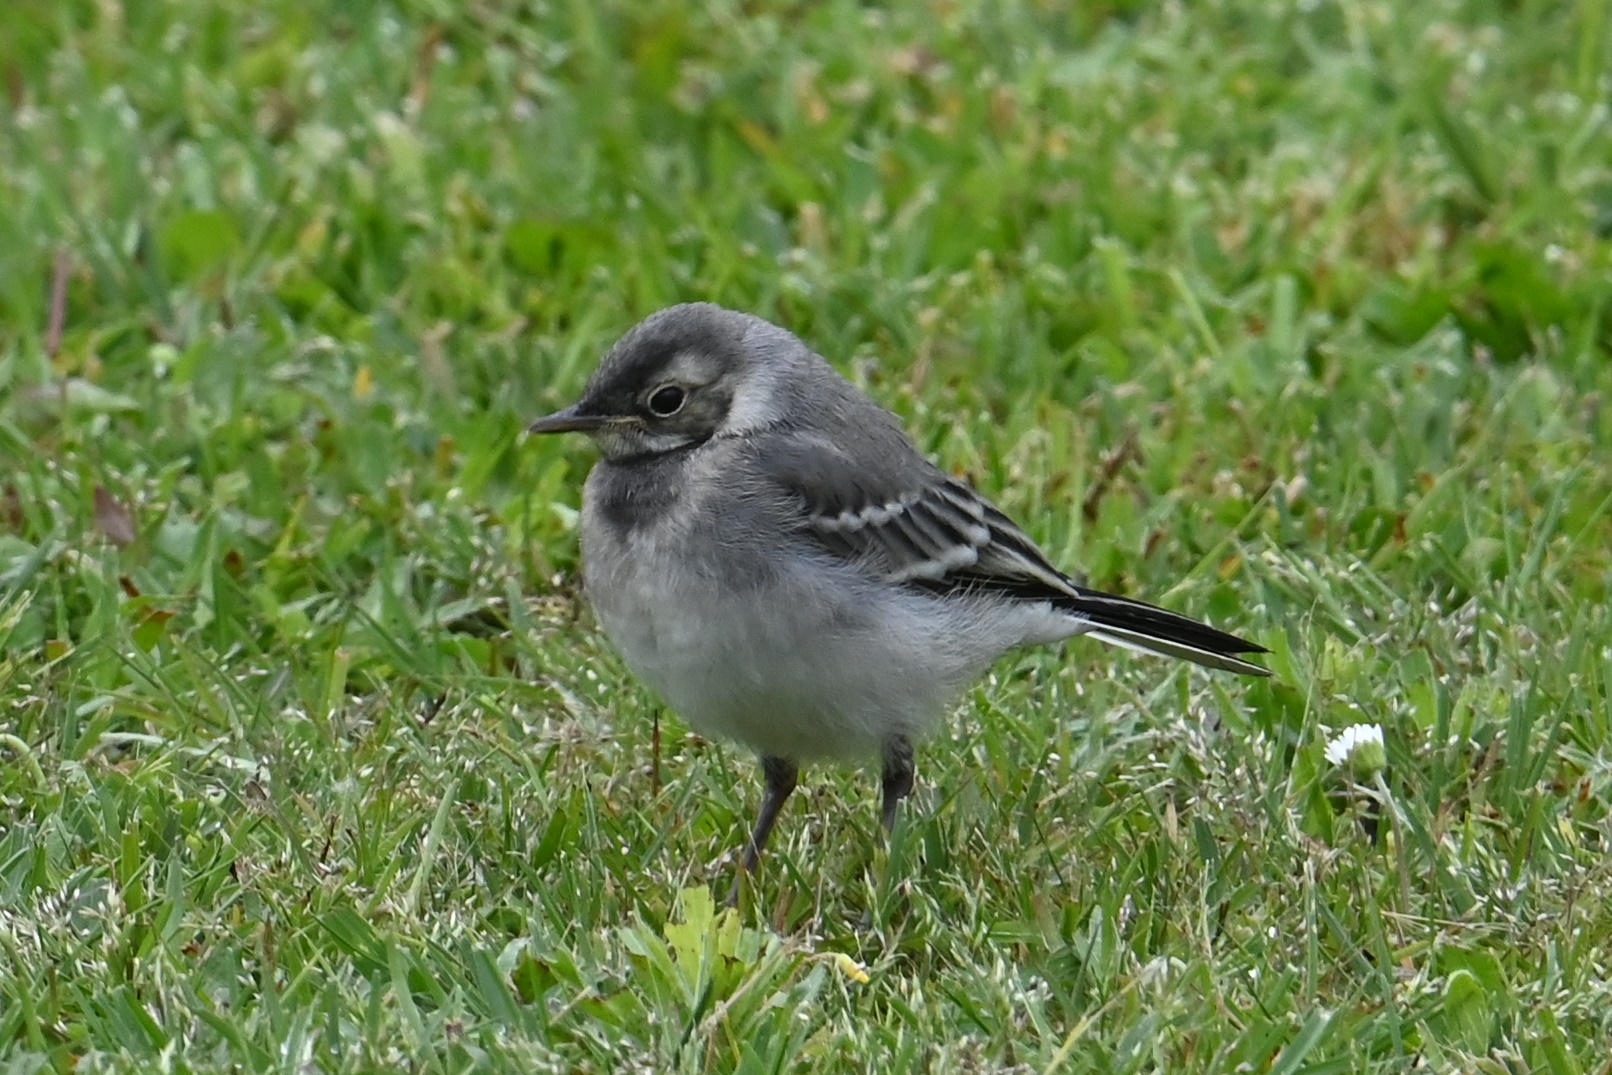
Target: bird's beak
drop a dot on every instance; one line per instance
(570, 420)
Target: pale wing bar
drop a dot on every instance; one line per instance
(945, 538)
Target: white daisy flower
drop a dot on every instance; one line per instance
(1360, 747)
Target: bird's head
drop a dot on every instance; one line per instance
(681, 377)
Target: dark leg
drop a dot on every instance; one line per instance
(780, 775)
(899, 775)
(896, 781)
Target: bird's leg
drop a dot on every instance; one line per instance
(780, 775)
(897, 781)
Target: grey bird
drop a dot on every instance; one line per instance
(772, 555)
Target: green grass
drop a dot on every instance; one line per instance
(1295, 316)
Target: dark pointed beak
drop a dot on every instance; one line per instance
(570, 420)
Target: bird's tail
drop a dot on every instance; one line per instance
(1148, 629)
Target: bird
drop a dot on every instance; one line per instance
(772, 555)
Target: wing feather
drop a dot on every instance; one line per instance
(920, 527)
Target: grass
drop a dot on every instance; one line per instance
(1297, 316)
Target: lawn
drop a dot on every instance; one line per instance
(1295, 316)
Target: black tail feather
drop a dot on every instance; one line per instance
(1138, 625)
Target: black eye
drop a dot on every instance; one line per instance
(666, 401)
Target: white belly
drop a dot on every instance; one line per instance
(794, 657)
(797, 670)
(733, 672)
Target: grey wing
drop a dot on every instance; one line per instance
(910, 521)
(893, 512)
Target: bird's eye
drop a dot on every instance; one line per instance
(666, 401)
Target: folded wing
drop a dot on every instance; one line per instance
(925, 529)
